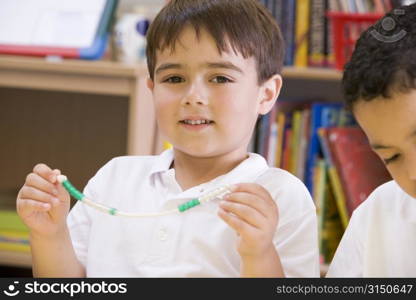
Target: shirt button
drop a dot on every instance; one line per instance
(163, 235)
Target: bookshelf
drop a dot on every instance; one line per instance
(323, 74)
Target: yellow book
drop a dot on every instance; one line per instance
(339, 195)
(331, 227)
(295, 143)
(14, 240)
(302, 33)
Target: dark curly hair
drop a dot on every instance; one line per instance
(384, 59)
(246, 24)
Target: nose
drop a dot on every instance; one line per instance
(194, 95)
(194, 100)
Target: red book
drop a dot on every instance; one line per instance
(360, 169)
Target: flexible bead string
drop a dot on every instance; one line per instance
(214, 194)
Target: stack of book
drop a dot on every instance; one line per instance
(307, 31)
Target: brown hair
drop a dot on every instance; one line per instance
(246, 24)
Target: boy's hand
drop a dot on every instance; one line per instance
(42, 203)
(251, 212)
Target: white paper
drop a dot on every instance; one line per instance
(50, 23)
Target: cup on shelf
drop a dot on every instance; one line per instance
(130, 38)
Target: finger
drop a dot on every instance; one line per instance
(251, 200)
(241, 227)
(27, 206)
(28, 192)
(245, 213)
(38, 182)
(256, 189)
(45, 172)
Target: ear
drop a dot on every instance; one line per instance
(150, 84)
(270, 90)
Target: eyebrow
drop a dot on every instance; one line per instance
(210, 65)
(381, 147)
(224, 65)
(167, 66)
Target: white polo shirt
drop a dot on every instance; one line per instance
(196, 243)
(380, 240)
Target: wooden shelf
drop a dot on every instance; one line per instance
(97, 77)
(89, 77)
(15, 259)
(312, 73)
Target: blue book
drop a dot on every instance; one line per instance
(288, 30)
(322, 115)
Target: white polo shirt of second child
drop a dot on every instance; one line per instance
(195, 243)
(380, 240)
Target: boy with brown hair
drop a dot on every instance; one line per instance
(214, 68)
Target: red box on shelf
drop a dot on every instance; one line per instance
(346, 29)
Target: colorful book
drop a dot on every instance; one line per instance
(334, 177)
(14, 240)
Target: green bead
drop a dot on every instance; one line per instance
(72, 190)
(181, 208)
(112, 211)
(188, 205)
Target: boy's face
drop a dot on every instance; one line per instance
(207, 104)
(390, 125)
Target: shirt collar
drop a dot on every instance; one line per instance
(163, 162)
(247, 170)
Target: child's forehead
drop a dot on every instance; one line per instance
(190, 37)
(387, 118)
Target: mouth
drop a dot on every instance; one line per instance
(196, 124)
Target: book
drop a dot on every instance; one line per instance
(280, 133)
(288, 30)
(332, 229)
(323, 114)
(316, 49)
(14, 240)
(295, 145)
(302, 32)
(334, 177)
(360, 169)
(320, 183)
(9, 220)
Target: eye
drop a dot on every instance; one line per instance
(173, 79)
(391, 159)
(221, 79)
